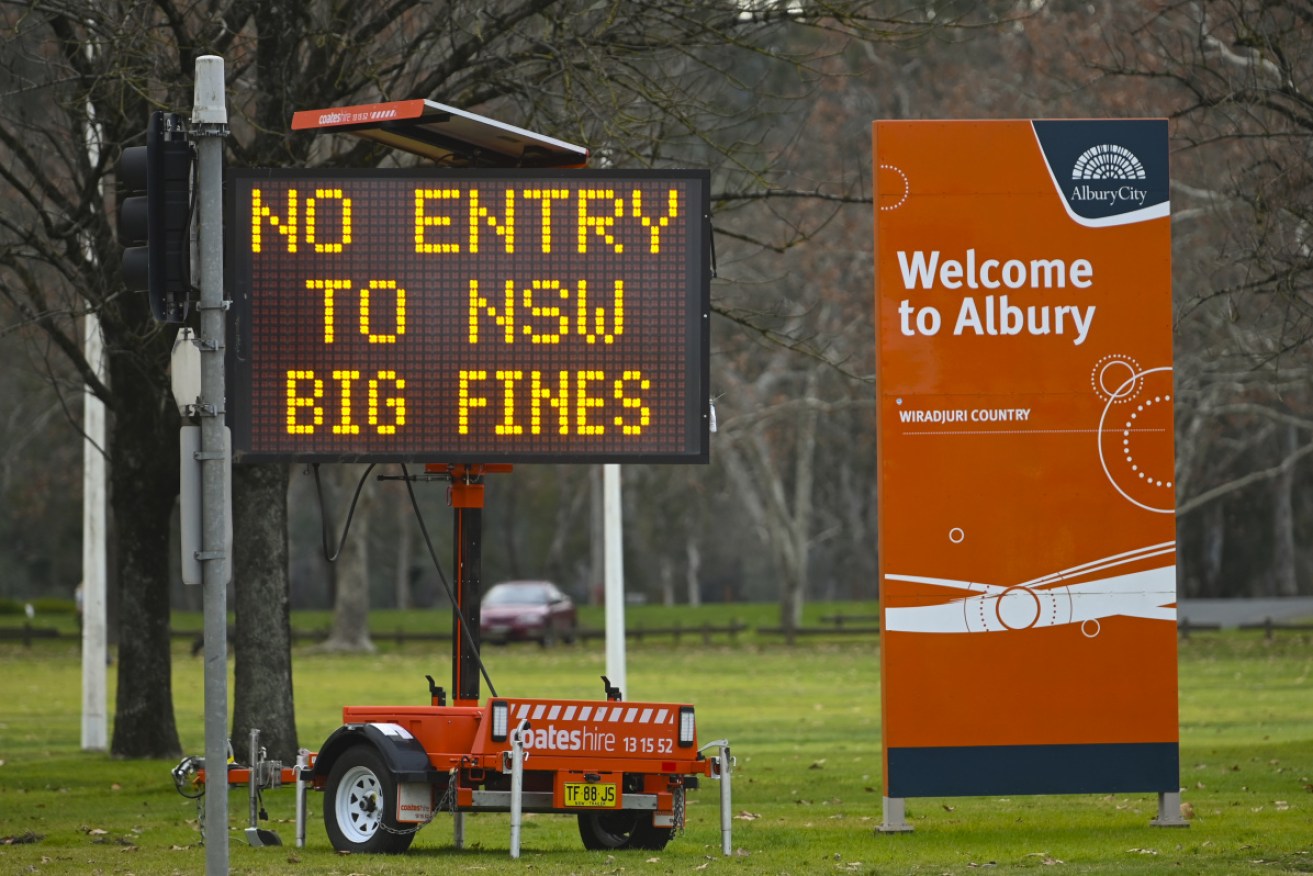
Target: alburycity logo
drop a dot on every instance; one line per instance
(1103, 171)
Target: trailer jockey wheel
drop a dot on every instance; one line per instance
(360, 805)
(603, 831)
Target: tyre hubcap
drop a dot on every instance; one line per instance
(358, 812)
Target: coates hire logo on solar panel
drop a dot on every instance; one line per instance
(1107, 172)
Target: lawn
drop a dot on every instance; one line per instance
(805, 724)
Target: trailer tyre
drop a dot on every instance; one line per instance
(605, 831)
(360, 805)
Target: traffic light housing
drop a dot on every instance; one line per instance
(155, 216)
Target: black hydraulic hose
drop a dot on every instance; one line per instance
(332, 555)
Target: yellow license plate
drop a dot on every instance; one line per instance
(590, 794)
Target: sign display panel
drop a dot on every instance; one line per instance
(469, 316)
(1026, 459)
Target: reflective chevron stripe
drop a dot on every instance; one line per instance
(604, 714)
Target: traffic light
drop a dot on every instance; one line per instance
(155, 216)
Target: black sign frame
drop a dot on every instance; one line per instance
(649, 300)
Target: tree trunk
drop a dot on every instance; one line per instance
(405, 550)
(262, 642)
(144, 481)
(1214, 552)
(693, 571)
(666, 573)
(1284, 580)
(795, 561)
(350, 630)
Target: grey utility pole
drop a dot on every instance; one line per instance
(209, 125)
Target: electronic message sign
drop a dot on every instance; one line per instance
(469, 316)
(1025, 432)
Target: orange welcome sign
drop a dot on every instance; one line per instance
(1027, 547)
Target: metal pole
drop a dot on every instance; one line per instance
(726, 800)
(253, 786)
(614, 558)
(209, 127)
(92, 596)
(517, 756)
(302, 764)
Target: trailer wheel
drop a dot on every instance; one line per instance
(605, 831)
(360, 805)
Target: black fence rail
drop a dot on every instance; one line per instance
(1269, 627)
(831, 625)
(27, 633)
(706, 633)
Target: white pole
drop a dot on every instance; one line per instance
(613, 547)
(92, 590)
(95, 735)
(518, 755)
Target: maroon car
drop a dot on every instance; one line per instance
(527, 611)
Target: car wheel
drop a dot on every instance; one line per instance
(360, 803)
(604, 831)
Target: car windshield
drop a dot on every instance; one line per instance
(518, 594)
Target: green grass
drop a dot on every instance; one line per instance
(805, 724)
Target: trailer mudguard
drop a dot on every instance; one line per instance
(401, 751)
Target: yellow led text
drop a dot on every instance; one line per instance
(633, 403)
(368, 314)
(334, 239)
(453, 220)
(425, 220)
(602, 225)
(573, 402)
(440, 214)
(545, 311)
(308, 403)
(480, 216)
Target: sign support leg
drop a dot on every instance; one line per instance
(1169, 810)
(467, 506)
(895, 816)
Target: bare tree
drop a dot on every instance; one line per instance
(1242, 74)
(643, 84)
